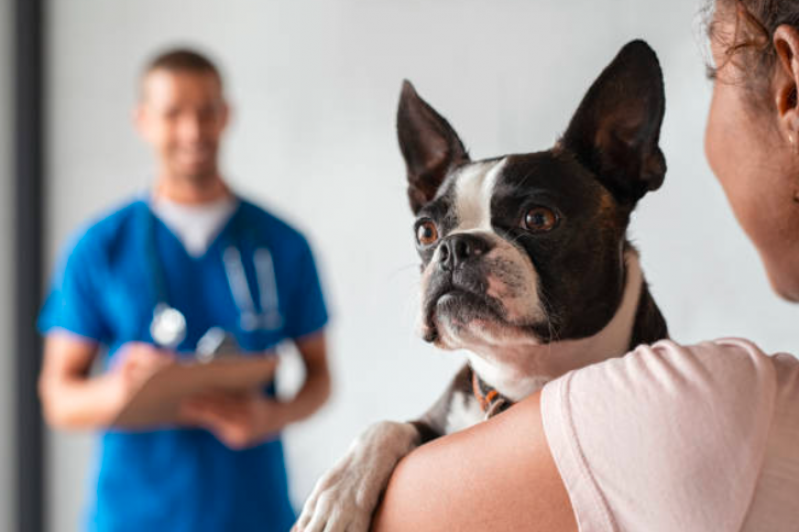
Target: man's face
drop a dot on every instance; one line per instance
(183, 115)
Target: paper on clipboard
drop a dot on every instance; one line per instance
(157, 401)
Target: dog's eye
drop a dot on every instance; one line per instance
(426, 233)
(539, 219)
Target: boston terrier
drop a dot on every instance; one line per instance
(525, 265)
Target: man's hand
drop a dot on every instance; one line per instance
(134, 364)
(241, 421)
(238, 420)
(72, 399)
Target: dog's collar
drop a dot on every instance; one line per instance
(491, 401)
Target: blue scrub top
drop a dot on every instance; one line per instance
(103, 289)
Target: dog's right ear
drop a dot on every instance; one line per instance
(429, 145)
(615, 131)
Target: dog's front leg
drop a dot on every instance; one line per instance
(345, 498)
(347, 495)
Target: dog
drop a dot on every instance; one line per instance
(525, 264)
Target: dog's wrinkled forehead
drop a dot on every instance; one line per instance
(467, 193)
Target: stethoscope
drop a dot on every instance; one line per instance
(168, 326)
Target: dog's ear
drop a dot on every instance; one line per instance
(616, 129)
(429, 145)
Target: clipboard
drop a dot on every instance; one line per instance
(156, 403)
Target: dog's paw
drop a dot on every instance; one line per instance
(345, 498)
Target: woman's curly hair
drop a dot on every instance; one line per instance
(750, 45)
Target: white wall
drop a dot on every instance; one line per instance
(6, 267)
(315, 85)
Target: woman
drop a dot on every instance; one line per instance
(667, 438)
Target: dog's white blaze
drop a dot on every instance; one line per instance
(463, 413)
(474, 187)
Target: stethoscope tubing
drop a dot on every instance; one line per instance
(269, 317)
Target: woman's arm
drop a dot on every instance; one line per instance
(665, 438)
(498, 475)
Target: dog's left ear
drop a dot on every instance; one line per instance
(616, 129)
(429, 145)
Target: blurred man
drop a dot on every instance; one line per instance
(151, 281)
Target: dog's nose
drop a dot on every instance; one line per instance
(456, 250)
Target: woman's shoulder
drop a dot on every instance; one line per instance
(735, 358)
(726, 371)
(721, 387)
(668, 425)
(741, 353)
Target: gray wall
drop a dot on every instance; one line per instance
(6, 268)
(315, 85)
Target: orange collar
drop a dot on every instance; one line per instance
(491, 401)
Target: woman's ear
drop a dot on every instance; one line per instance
(786, 45)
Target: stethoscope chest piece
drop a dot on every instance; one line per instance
(168, 327)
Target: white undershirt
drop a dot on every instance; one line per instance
(196, 226)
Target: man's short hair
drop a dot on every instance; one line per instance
(182, 60)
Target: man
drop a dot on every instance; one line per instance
(147, 282)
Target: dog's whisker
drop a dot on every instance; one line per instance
(402, 269)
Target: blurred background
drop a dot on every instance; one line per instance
(314, 86)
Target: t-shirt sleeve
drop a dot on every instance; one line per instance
(306, 308)
(73, 303)
(665, 438)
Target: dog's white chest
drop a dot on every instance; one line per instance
(464, 411)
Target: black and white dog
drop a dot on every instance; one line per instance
(525, 264)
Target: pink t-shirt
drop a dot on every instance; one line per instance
(672, 438)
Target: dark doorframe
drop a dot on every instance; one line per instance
(28, 235)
